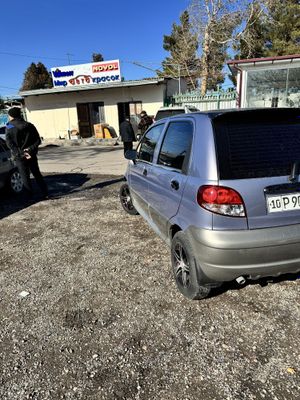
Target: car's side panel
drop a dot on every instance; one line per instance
(138, 184)
(6, 165)
(165, 192)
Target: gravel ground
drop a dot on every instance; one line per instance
(101, 317)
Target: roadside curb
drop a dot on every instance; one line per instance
(80, 142)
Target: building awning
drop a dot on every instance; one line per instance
(124, 84)
(239, 64)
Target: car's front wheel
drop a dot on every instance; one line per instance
(15, 182)
(126, 200)
(185, 269)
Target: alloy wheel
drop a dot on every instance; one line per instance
(181, 266)
(16, 182)
(126, 199)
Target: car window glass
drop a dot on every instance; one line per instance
(148, 143)
(256, 144)
(176, 144)
(167, 113)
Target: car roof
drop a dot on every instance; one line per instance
(214, 114)
(171, 108)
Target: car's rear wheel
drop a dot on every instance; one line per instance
(126, 200)
(15, 182)
(186, 272)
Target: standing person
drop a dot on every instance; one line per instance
(127, 134)
(145, 122)
(23, 140)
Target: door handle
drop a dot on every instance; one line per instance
(174, 184)
(145, 172)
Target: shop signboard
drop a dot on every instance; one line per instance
(86, 74)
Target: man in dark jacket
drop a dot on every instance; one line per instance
(145, 122)
(127, 134)
(23, 140)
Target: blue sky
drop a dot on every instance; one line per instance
(46, 31)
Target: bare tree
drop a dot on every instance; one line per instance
(218, 24)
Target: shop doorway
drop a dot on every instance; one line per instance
(133, 109)
(88, 115)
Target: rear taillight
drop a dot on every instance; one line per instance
(221, 200)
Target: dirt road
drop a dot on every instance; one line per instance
(89, 310)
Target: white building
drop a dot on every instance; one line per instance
(268, 82)
(87, 94)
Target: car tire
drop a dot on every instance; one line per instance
(126, 200)
(15, 183)
(185, 269)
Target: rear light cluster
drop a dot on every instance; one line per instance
(221, 200)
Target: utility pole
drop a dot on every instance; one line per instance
(69, 57)
(179, 74)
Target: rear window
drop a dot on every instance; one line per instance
(167, 113)
(256, 144)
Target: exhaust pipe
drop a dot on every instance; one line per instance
(241, 280)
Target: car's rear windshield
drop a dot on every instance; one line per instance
(255, 144)
(167, 113)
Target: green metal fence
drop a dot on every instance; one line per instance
(214, 100)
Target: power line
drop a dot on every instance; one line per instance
(6, 87)
(68, 58)
(39, 57)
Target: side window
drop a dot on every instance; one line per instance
(148, 143)
(176, 145)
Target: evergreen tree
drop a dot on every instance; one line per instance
(36, 77)
(182, 45)
(283, 29)
(97, 57)
(252, 42)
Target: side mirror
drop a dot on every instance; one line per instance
(130, 155)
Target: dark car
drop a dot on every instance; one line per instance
(222, 189)
(171, 111)
(2, 132)
(9, 175)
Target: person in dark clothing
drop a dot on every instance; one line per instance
(23, 140)
(145, 122)
(127, 134)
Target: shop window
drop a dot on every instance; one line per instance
(273, 88)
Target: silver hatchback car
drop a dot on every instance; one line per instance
(222, 189)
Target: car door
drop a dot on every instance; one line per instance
(5, 163)
(168, 176)
(139, 170)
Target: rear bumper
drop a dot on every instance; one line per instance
(226, 255)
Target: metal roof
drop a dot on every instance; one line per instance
(264, 60)
(69, 89)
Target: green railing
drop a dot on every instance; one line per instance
(214, 100)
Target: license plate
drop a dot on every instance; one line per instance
(283, 202)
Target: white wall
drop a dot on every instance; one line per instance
(55, 114)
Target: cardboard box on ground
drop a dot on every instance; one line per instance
(104, 131)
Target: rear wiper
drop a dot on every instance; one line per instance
(295, 172)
